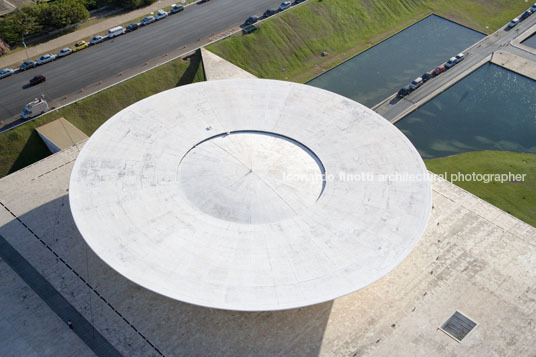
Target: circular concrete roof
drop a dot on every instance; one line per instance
(250, 194)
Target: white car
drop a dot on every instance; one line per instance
(148, 20)
(64, 52)
(513, 22)
(460, 57)
(96, 39)
(6, 72)
(46, 58)
(451, 62)
(417, 82)
(160, 14)
(284, 5)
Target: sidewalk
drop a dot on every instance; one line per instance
(13, 60)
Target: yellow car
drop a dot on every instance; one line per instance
(80, 46)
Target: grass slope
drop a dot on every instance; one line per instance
(289, 46)
(22, 146)
(516, 198)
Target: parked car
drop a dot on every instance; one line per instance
(513, 22)
(251, 20)
(160, 14)
(450, 63)
(45, 59)
(132, 27)
(269, 12)
(533, 8)
(148, 20)
(34, 108)
(37, 79)
(404, 91)
(96, 39)
(460, 57)
(249, 29)
(417, 82)
(175, 8)
(426, 76)
(27, 64)
(6, 72)
(64, 52)
(526, 14)
(438, 70)
(298, 1)
(79, 46)
(284, 5)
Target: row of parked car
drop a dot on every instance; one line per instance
(253, 19)
(419, 81)
(523, 16)
(80, 45)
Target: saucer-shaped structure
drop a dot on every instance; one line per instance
(250, 194)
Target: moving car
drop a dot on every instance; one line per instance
(404, 91)
(175, 8)
(132, 27)
(513, 22)
(116, 31)
(284, 5)
(35, 107)
(426, 76)
(27, 64)
(460, 57)
(148, 20)
(160, 14)
(96, 39)
(64, 52)
(269, 12)
(251, 20)
(37, 79)
(80, 46)
(417, 82)
(6, 72)
(451, 62)
(438, 70)
(46, 58)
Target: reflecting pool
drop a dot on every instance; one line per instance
(380, 71)
(491, 109)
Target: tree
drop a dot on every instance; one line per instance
(19, 23)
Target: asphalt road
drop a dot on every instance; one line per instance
(100, 62)
(394, 109)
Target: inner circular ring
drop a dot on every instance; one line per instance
(251, 176)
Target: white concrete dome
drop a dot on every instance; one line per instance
(250, 194)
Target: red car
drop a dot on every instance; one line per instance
(438, 70)
(37, 79)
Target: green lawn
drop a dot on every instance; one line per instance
(22, 146)
(515, 197)
(289, 46)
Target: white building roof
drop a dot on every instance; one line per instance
(213, 194)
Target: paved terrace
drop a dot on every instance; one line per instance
(505, 42)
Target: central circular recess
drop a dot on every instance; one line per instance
(251, 177)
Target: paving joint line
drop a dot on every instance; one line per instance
(80, 277)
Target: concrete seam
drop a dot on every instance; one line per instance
(81, 278)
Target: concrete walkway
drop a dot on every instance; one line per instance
(218, 68)
(69, 39)
(515, 63)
